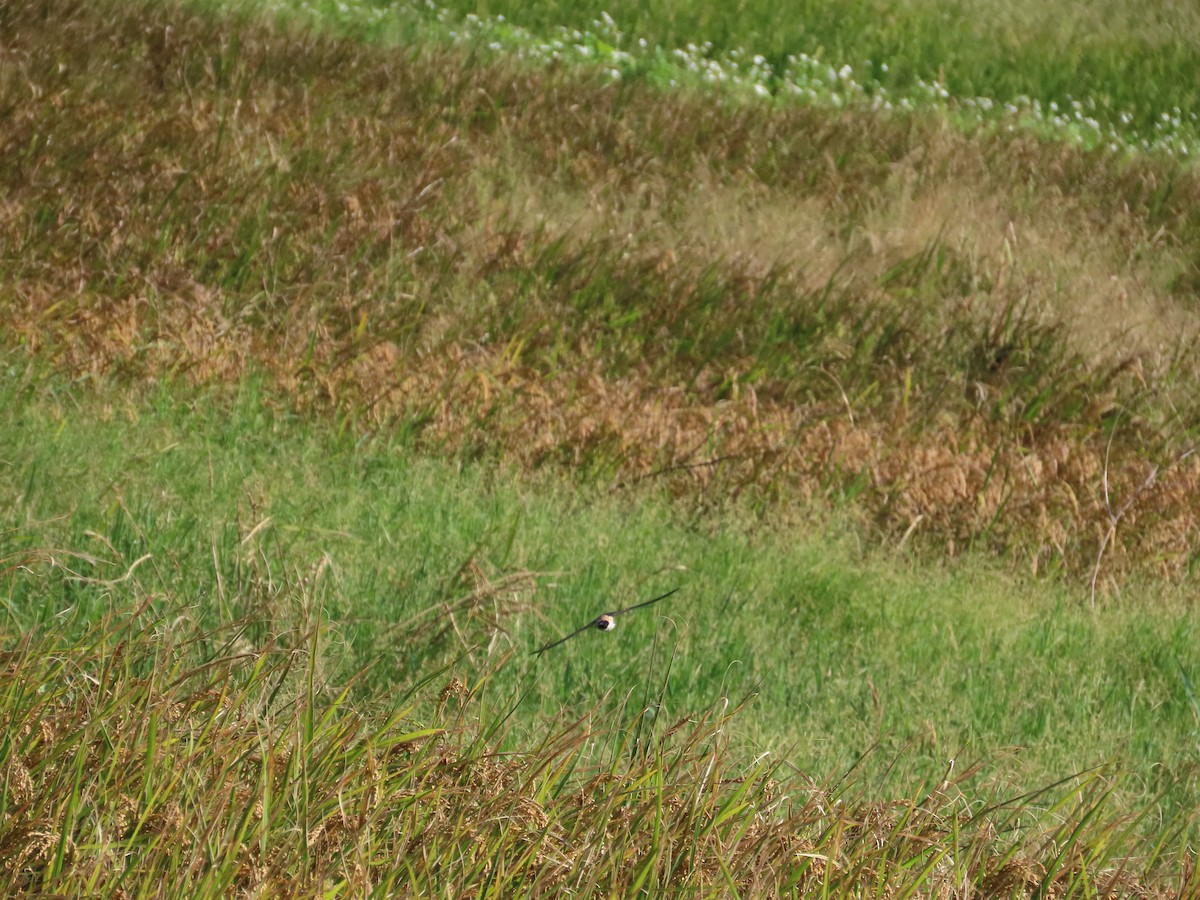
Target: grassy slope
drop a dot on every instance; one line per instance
(735, 300)
(487, 278)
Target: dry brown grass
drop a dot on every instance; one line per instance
(944, 331)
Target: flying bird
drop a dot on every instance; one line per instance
(606, 622)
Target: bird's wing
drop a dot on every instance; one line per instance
(579, 630)
(621, 612)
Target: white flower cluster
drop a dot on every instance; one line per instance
(799, 78)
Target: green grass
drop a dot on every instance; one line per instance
(338, 376)
(144, 757)
(238, 510)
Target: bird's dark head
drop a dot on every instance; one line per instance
(606, 623)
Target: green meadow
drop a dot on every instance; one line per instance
(347, 359)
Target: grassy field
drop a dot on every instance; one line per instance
(339, 376)
(237, 560)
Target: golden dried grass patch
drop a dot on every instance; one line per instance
(1048, 497)
(1110, 279)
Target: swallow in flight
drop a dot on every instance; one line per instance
(606, 622)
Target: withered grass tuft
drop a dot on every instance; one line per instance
(978, 343)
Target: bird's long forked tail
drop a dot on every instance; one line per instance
(604, 622)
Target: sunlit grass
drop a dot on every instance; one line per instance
(230, 508)
(336, 377)
(241, 652)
